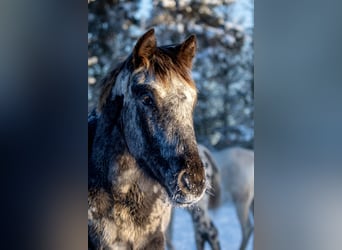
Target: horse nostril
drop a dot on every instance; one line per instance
(184, 182)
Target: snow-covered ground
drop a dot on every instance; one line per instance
(225, 220)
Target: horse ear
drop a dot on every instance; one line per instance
(144, 48)
(187, 51)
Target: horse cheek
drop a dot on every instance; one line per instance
(132, 133)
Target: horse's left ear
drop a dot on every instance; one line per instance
(144, 49)
(187, 51)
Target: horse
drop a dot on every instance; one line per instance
(237, 172)
(143, 157)
(204, 228)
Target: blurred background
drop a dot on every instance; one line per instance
(223, 67)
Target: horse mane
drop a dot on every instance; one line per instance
(163, 65)
(107, 84)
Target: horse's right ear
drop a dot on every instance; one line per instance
(144, 49)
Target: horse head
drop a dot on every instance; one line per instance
(156, 116)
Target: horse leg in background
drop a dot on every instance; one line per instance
(169, 232)
(252, 207)
(242, 209)
(204, 228)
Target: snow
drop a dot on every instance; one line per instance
(225, 220)
(144, 10)
(242, 12)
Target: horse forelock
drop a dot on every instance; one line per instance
(163, 66)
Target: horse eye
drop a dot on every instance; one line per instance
(147, 100)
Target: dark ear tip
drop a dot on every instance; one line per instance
(191, 39)
(149, 33)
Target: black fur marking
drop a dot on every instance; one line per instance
(103, 142)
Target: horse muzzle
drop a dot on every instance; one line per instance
(190, 187)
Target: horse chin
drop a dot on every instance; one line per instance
(183, 205)
(182, 201)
